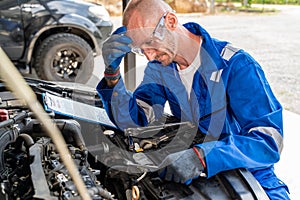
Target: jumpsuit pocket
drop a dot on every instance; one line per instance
(273, 183)
(275, 188)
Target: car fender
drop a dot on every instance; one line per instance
(69, 21)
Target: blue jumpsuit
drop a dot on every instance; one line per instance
(231, 100)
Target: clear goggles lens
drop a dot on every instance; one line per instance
(157, 34)
(137, 51)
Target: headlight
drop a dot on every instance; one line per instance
(100, 12)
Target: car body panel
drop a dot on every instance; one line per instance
(11, 32)
(24, 24)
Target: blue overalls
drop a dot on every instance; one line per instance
(231, 100)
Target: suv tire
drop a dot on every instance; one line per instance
(64, 57)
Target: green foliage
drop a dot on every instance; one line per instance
(289, 2)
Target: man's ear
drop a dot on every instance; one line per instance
(171, 21)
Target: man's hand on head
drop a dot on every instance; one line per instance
(113, 51)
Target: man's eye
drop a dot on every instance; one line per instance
(149, 42)
(162, 54)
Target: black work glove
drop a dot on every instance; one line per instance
(113, 51)
(184, 166)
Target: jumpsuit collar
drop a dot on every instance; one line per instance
(208, 45)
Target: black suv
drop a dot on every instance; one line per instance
(58, 38)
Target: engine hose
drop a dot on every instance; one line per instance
(7, 136)
(70, 129)
(24, 138)
(14, 120)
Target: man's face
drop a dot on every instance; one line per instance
(156, 43)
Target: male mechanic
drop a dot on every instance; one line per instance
(220, 88)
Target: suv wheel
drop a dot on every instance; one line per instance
(64, 57)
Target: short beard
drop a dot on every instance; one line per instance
(170, 47)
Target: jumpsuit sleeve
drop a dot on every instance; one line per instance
(127, 109)
(253, 107)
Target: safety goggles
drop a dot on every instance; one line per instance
(157, 35)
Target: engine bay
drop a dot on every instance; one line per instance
(113, 164)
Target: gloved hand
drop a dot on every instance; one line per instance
(184, 166)
(113, 51)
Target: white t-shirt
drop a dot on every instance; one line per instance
(187, 74)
